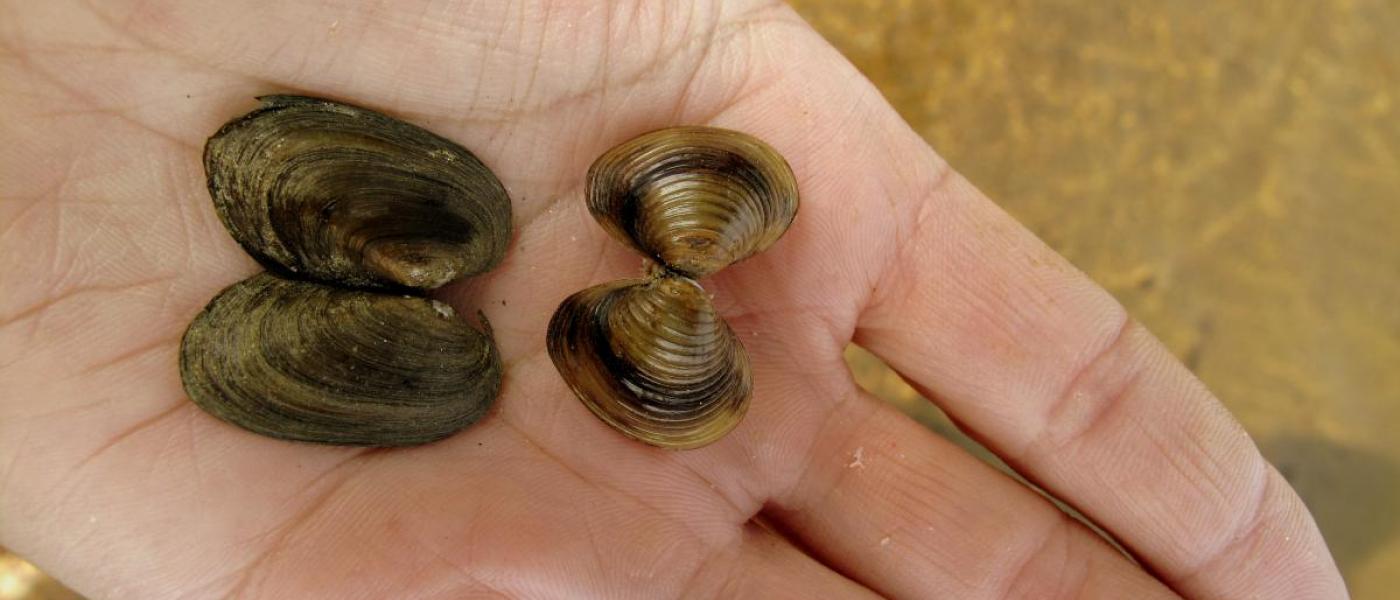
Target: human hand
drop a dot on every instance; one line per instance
(114, 481)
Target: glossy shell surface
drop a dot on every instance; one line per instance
(305, 361)
(356, 215)
(695, 199)
(652, 357)
(342, 194)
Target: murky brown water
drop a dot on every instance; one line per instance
(1229, 170)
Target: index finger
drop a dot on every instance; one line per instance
(1051, 373)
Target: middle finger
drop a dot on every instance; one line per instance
(915, 516)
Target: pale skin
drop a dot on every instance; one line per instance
(113, 481)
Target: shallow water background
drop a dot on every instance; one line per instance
(1229, 170)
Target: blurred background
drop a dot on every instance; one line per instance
(1229, 170)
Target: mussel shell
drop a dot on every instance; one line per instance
(653, 359)
(303, 361)
(350, 196)
(695, 199)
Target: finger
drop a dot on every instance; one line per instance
(764, 565)
(944, 551)
(1049, 371)
(794, 364)
(914, 516)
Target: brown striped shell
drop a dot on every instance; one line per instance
(306, 361)
(346, 195)
(695, 199)
(356, 215)
(652, 357)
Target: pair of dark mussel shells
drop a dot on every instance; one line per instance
(357, 216)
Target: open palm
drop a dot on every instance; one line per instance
(109, 245)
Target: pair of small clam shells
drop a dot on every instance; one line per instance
(357, 215)
(651, 357)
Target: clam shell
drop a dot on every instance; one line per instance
(343, 194)
(304, 361)
(653, 359)
(695, 199)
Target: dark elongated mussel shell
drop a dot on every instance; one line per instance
(346, 195)
(652, 358)
(695, 199)
(345, 205)
(304, 361)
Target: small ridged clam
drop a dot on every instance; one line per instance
(652, 357)
(356, 214)
(695, 199)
